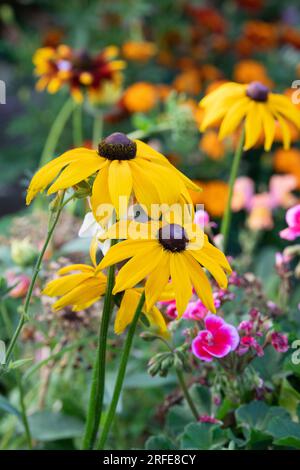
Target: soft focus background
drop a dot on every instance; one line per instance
(175, 51)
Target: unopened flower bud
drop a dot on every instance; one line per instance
(23, 252)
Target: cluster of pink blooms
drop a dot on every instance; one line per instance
(260, 206)
(292, 218)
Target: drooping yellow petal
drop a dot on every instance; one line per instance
(76, 267)
(286, 133)
(119, 185)
(181, 282)
(62, 285)
(93, 250)
(127, 310)
(253, 126)
(86, 291)
(284, 106)
(157, 281)
(212, 267)
(216, 254)
(200, 282)
(268, 125)
(234, 116)
(47, 173)
(125, 250)
(222, 93)
(138, 268)
(157, 321)
(76, 172)
(100, 199)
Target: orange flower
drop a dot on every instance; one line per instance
(262, 34)
(247, 71)
(291, 36)
(140, 97)
(140, 51)
(288, 161)
(210, 72)
(188, 82)
(213, 196)
(212, 146)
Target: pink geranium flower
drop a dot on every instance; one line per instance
(217, 340)
(195, 311)
(292, 218)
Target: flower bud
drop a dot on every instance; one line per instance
(23, 252)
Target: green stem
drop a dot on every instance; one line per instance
(121, 374)
(77, 126)
(23, 410)
(33, 280)
(98, 380)
(97, 129)
(55, 131)
(9, 330)
(226, 221)
(140, 134)
(187, 394)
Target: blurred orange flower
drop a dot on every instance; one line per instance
(247, 71)
(211, 145)
(213, 196)
(288, 161)
(262, 34)
(188, 81)
(140, 97)
(140, 51)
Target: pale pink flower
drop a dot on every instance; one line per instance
(203, 220)
(20, 282)
(242, 194)
(208, 419)
(260, 217)
(281, 187)
(195, 311)
(217, 340)
(292, 218)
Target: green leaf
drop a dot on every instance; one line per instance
(8, 408)
(177, 418)
(202, 398)
(285, 432)
(19, 363)
(289, 397)
(48, 426)
(203, 436)
(159, 442)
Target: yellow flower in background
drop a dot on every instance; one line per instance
(80, 286)
(175, 251)
(123, 167)
(100, 75)
(80, 289)
(256, 106)
(140, 51)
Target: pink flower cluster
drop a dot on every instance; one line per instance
(217, 340)
(293, 221)
(260, 206)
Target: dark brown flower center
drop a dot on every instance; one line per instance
(257, 91)
(173, 238)
(117, 146)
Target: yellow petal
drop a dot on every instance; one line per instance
(253, 126)
(64, 284)
(200, 282)
(212, 267)
(93, 250)
(76, 267)
(100, 199)
(157, 281)
(234, 116)
(138, 268)
(157, 320)
(125, 250)
(127, 310)
(76, 172)
(181, 282)
(119, 184)
(228, 90)
(268, 125)
(286, 133)
(47, 173)
(85, 292)
(284, 106)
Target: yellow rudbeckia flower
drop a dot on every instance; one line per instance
(233, 103)
(122, 167)
(80, 286)
(163, 251)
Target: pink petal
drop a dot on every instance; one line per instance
(213, 322)
(198, 350)
(226, 339)
(292, 216)
(290, 233)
